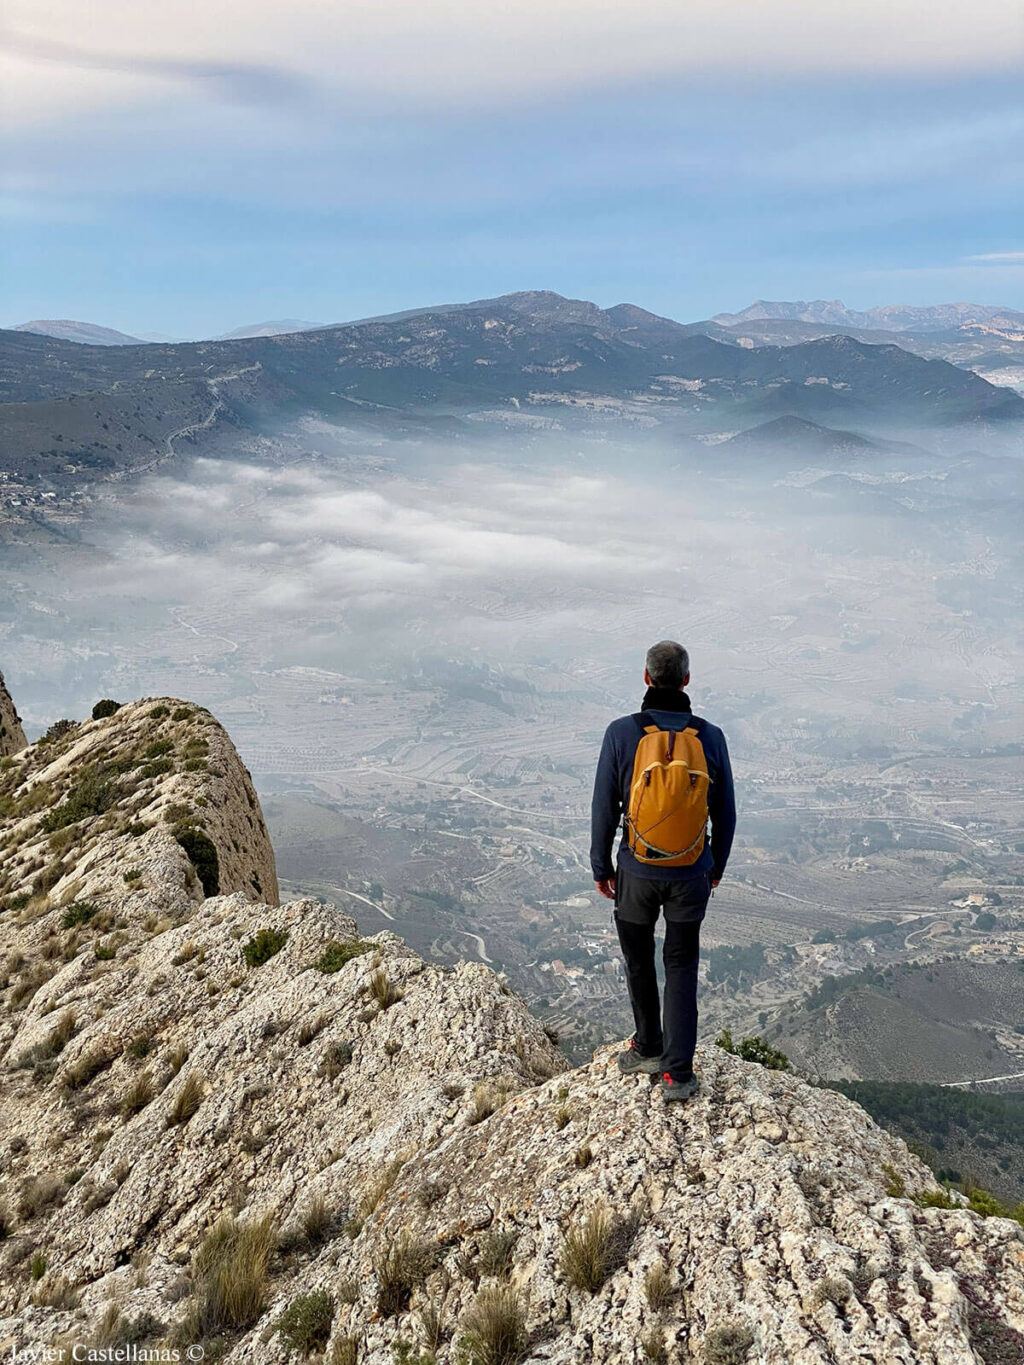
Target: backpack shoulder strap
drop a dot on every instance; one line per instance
(646, 725)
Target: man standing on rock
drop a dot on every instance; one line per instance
(664, 774)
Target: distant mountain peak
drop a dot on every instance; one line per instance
(282, 327)
(85, 333)
(894, 317)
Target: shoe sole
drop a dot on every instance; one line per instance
(677, 1094)
(647, 1067)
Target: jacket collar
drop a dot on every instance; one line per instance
(665, 699)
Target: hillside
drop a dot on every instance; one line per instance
(963, 1134)
(953, 1020)
(241, 1126)
(74, 413)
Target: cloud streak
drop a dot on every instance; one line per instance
(448, 52)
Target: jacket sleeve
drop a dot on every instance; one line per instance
(722, 809)
(605, 810)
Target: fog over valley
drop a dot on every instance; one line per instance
(417, 643)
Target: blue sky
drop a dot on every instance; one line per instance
(190, 180)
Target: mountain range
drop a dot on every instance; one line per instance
(564, 362)
(900, 317)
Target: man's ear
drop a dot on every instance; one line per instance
(685, 682)
(647, 678)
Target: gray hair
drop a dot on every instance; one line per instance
(667, 664)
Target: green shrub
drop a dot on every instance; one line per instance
(182, 713)
(58, 730)
(495, 1254)
(81, 912)
(305, 1325)
(754, 1049)
(336, 1059)
(105, 708)
(201, 852)
(105, 952)
(159, 712)
(264, 944)
(156, 768)
(158, 748)
(91, 795)
(337, 953)
(37, 1266)
(895, 1185)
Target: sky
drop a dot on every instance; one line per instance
(184, 169)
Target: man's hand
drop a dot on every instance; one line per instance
(715, 882)
(606, 886)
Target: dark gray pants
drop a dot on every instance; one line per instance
(667, 1031)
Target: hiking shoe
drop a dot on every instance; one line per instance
(678, 1090)
(631, 1062)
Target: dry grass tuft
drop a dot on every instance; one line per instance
(382, 989)
(138, 1095)
(229, 1274)
(187, 1100)
(658, 1286)
(400, 1267)
(596, 1248)
(495, 1328)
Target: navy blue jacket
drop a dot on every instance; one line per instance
(611, 798)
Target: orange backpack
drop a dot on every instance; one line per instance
(668, 798)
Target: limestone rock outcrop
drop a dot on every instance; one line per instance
(12, 736)
(248, 1128)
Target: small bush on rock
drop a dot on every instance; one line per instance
(91, 795)
(338, 952)
(264, 944)
(728, 1345)
(201, 852)
(305, 1325)
(754, 1049)
(138, 1095)
(105, 708)
(658, 1286)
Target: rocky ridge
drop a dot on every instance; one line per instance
(12, 736)
(115, 827)
(253, 1130)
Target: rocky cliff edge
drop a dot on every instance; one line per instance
(249, 1130)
